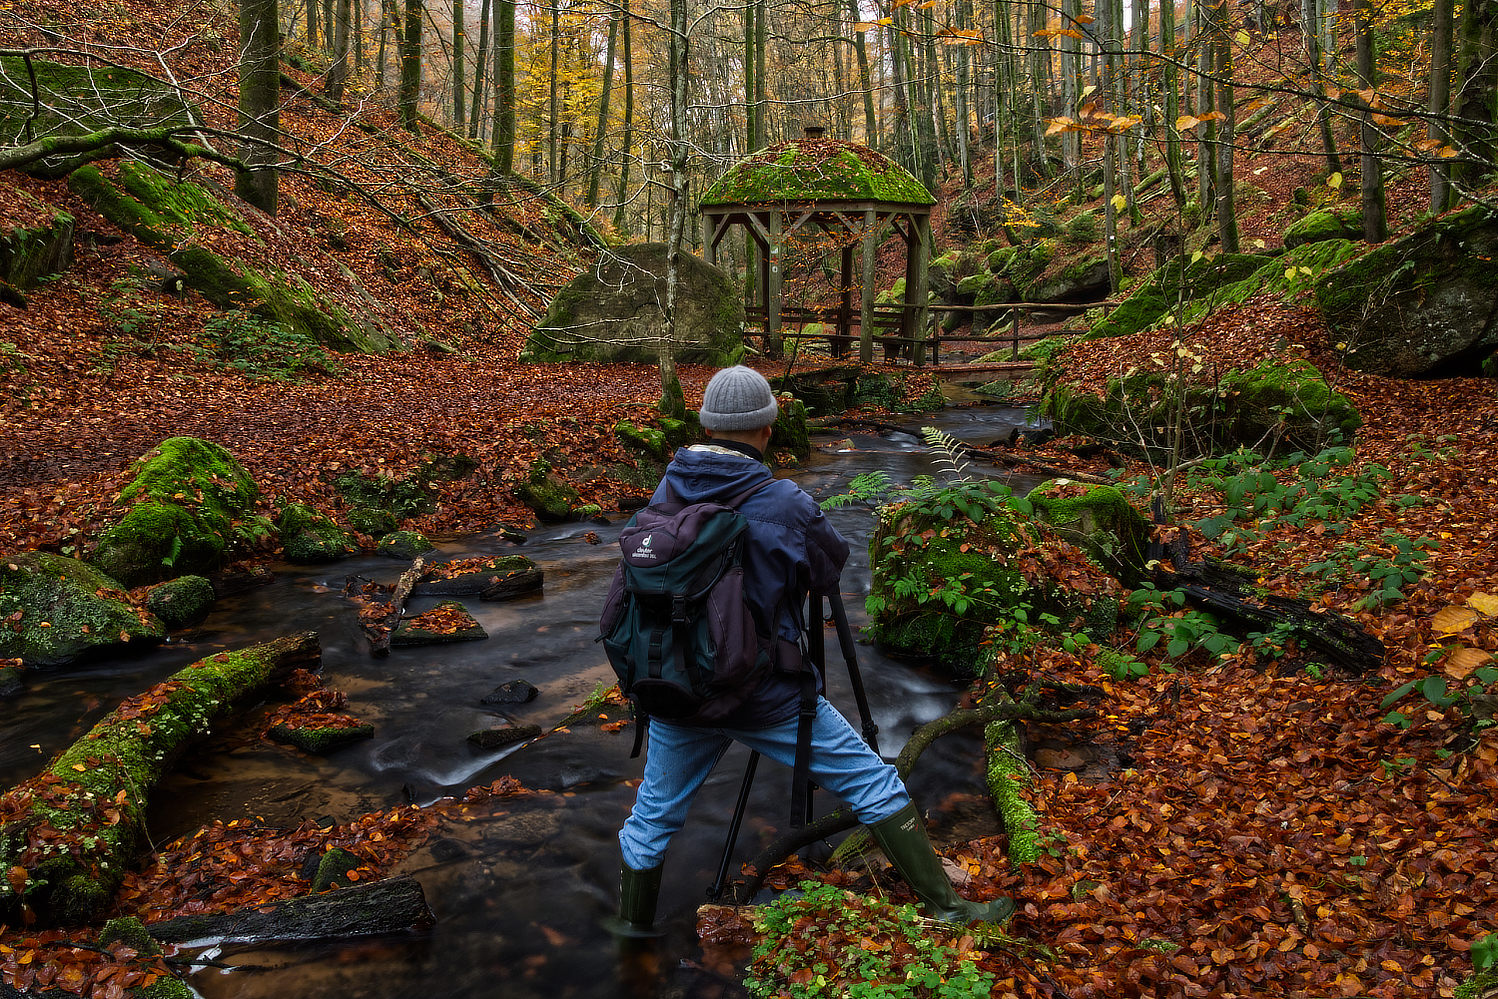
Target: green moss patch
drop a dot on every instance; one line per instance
(177, 217)
(553, 498)
(790, 434)
(449, 621)
(1099, 520)
(816, 170)
(320, 740)
(404, 545)
(192, 506)
(505, 735)
(1329, 223)
(309, 536)
(56, 610)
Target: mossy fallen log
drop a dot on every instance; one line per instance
(394, 905)
(68, 834)
(1006, 769)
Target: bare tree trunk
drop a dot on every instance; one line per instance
(1440, 104)
(480, 63)
(672, 401)
(1476, 128)
(338, 72)
(627, 143)
(860, 51)
(460, 71)
(411, 63)
(259, 99)
(504, 85)
(1310, 18)
(1227, 209)
(1375, 219)
(1171, 84)
(312, 16)
(551, 113)
(596, 167)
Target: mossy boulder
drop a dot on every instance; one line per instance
(320, 740)
(472, 576)
(615, 312)
(650, 441)
(1422, 305)
(1178, 280)
(822, 170)
(553, 498)
(370, 521)
(448, 622)
(309, 537)
(1284, 402)
(1100, 521)
(1075, 279)
(177, 218)
(790, 434)
(1328, 223)
(32, 251)
(188, 506)
(56, 610)
(181, 602)
(404, 545)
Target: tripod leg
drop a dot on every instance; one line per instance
(716, 891)
(850, 656)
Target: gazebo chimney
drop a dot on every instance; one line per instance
(814, 131)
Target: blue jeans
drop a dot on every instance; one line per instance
(680, 758)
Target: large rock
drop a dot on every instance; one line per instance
(1099, 520)
(1423, 305)
(190, 504)
(615, 312)
(56, 610)
(34, 248)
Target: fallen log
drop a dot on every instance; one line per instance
(517, 584)
(394, 905)
(382, 633)
(68, 835)
(1230, 591)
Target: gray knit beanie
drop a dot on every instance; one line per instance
(737, 398)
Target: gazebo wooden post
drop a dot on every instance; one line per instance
(917, 280)
(773, 289)
(709, 245)
(845, 305)
(866, 310)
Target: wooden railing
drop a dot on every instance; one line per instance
(889, 317)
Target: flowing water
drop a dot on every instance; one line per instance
(518, 894)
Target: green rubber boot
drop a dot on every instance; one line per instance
(638, 891)
(903, 839)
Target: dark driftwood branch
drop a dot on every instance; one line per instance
(395, 905)
(379, 642)
(100, 144)
(843, 819)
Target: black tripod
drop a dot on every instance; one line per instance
(816, 651)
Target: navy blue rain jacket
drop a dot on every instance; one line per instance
(792, 550)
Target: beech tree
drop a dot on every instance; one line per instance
(259, 102)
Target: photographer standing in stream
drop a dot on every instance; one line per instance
(787, 550)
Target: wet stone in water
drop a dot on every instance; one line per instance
(494, 738)
(514, 692)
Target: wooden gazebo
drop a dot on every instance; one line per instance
(848, 191)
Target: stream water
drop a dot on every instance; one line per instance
(518, 895)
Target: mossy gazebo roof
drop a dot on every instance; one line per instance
(816, 170)
(849, 191)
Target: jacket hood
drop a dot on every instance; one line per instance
(699, 475)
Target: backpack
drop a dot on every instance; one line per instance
(683, 640)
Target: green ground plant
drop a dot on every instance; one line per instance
(831, 942)
(263, 349)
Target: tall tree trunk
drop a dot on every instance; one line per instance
(552, 124)
(1227, 209)
(1206, 151)
(1071, 80)
(504, 85)
(460, 71)
(1108, 29)
(259, 101)
(1440, 104)
(751, 109)
(672, 402)
(626, 144)
(338, 71)
(480, 64)
(411, 63)
(961, 97)
(359, 56)
(861, 53)
(312, 18)
(1171, 84)
(1476, 127)
(761, 88)
(596, 167)
(1310, 30)
(1375, 220)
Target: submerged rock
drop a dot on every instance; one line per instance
(514, 692)
(449, 621)
(320, 740)
(495, 738)
(56, 610)
(404, 545)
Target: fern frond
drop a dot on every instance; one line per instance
(947, 451)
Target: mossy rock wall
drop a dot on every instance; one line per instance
(1286, 402)
(76, 828)
(1422, 305)
(1176, 281)
(30, 253)
(189, 505)
(174, 217)
(616, 312)
(56, 610)
(1328, 223)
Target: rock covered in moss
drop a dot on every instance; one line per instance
(614, 312)
(448, 622)
(189, 504)
(544, 491)
(181, 602)
(322, 739)
(333, 869)
(404, 545)
(1420, 305)
(790, 433)
(55, 610)
(309, 537)
(505, 735)
(11, 671)
(1329, 223)
(471, 576)
(367, 520)
(1098, 519)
